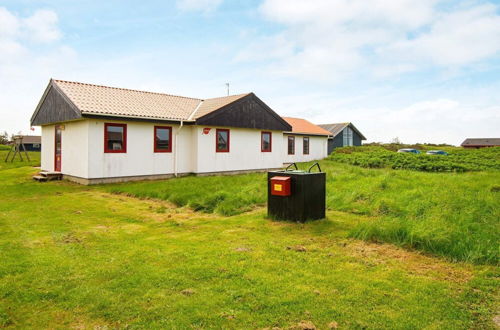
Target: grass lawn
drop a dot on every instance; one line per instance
(85, 257)
(454, 215)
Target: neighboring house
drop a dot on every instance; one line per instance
(305, 141)
(97, 134)
(32, 142)
(342, 135)
(481, 143)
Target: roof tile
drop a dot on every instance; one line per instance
(303, 126)
(103, 100)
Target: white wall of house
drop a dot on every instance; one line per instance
(83, 150)
(140, 158)
(244, 152)
(75, 149)
(74, 152)
(47, 153)
(318, 148)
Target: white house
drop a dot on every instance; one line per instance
(98, 134)
(305, 141)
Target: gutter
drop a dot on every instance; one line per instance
(175, 147)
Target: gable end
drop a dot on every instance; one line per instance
(247, 112)
(54, 107)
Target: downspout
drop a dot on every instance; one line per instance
(175, 148)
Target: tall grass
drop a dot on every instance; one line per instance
(450, 214)
(225, 195)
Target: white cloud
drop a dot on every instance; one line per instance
(9, 24)
(42, 26)
(198, 5)
(332, 39)
(25, 67)
(458, 38)
(437, 120)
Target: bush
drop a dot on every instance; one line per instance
(459, 160)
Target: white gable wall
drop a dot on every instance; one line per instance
(74, 153)
(318, 148)
(47, 153)
(244, 151)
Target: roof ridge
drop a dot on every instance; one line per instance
(293, 117)
(191, 116)
(126, 89)
(222, 97)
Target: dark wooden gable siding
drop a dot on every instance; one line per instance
(247, 112)
(54, 108)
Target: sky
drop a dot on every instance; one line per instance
(423, 71)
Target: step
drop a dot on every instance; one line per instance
(39, 178)
(47, 173)
(51, 175)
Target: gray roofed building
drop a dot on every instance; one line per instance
(350, 136)
(481, 142)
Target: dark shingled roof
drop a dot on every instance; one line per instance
(489, 142)
(29, 139)
(335, 129)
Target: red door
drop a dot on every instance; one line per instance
(57, 149)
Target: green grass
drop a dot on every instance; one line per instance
(454, 215)
(225, 195)
(4, 150)
(458, 160)
(80, 257)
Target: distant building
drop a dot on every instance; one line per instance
(481, 143)
(342, 135)
(32, 142)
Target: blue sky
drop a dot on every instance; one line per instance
(426, 71)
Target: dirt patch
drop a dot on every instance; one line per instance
(242, 249)
(496, 321)
(188, 292)
(229, 316)
(333, 325)
(304, 325)
(411, 261)
(297, 248)
(70, 238)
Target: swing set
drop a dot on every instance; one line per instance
(17, 144)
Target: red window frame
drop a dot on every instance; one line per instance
(124, 149)
(304, 139)
(217, 139)
(262, 141)
(155, 141)
(291, 138)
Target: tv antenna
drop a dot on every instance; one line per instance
(227, 86)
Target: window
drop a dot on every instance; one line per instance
(305, 145)
(347, 135)
(115, 138)
(291, 145)
(266, 141)
(222, 140)
(163, 139)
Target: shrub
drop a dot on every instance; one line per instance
(459, 160)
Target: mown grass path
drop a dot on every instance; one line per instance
(74, 256)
